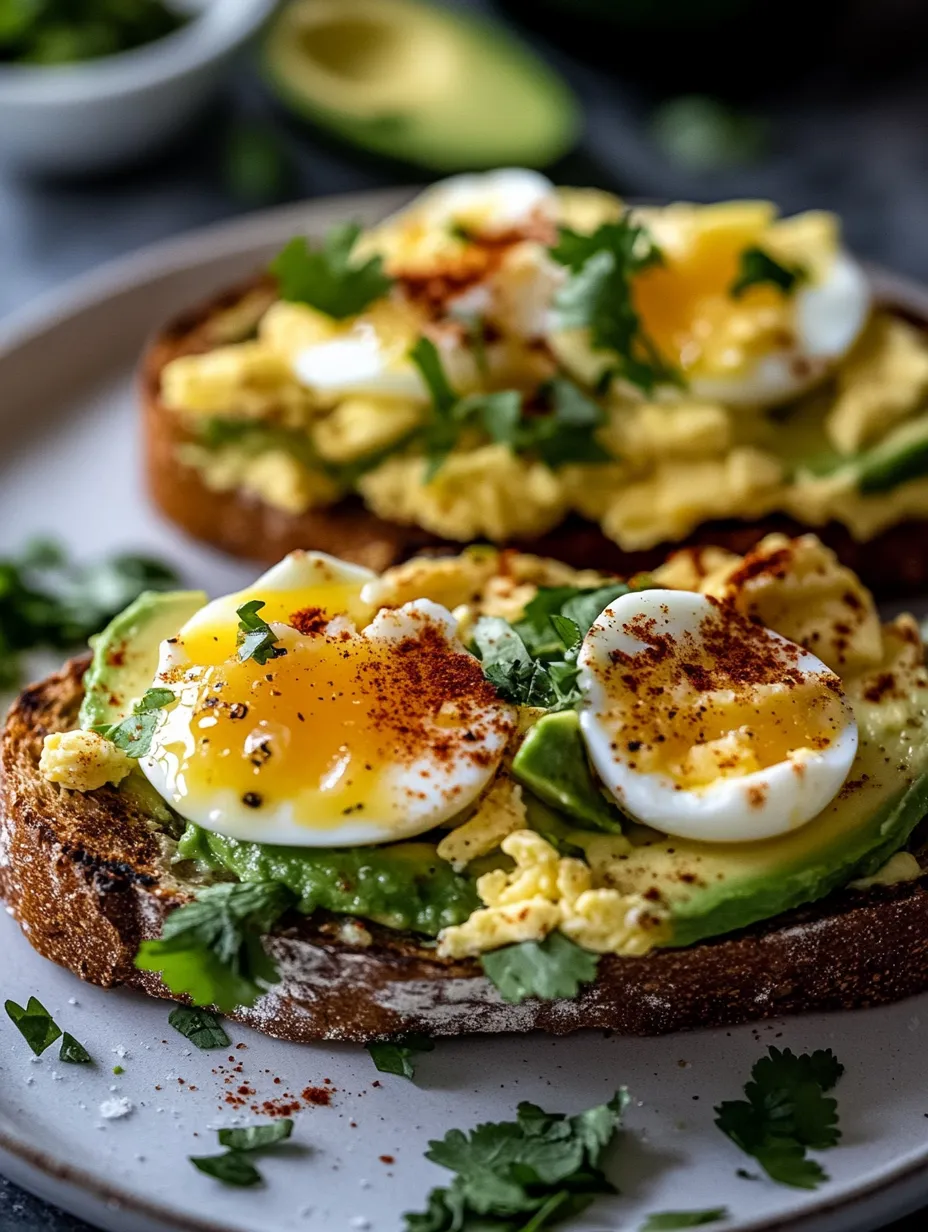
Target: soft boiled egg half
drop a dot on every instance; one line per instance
(360, 727)
(465, 249)
(760, 346)
(707, 726)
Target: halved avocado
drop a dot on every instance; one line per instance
(420, 83)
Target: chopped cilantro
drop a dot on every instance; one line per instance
(134, 733)
(561, 432)
(202, 1028)
(396, 1056)
(257, 640)
(73, 1053)
(256, 1137)
(534, 662)
(522, 1175)
(555, 967)
(326, 278)
(118, 1069)
(234, 1167)
(37, 1027)
(669, 1221)
(47, 602)
(211, 949)
(758, 268)
(34, 1023)
(598, 297)
(786, 1112)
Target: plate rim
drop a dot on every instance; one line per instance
(200, 246)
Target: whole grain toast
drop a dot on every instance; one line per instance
(895, 562)
(89, 877)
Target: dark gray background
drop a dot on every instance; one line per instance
(846, 133)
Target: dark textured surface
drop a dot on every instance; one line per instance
(849, 139)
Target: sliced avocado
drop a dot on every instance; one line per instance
(552, 763)
(403, 885)
(125, 654)
(414, 81)
(903, 455)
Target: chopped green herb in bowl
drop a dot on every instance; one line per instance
(68, 31)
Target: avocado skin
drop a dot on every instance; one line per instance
(534, 118)
(552, 763)
(125, 653)
(402, 885)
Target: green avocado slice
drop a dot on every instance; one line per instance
(414, 81)
(552, 763)
(125, 654)
(708, 889)
(403, 885)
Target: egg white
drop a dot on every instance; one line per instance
(412, 798)
(299, 571)
(489, 202)
(726, 811)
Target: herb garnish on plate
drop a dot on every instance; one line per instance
(786, 1113)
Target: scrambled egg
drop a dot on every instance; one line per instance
(546, 891)
(485, 493)
(82, 760)
(668, 469)
(272, 475)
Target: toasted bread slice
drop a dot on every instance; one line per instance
(893, 563)
(88, 877)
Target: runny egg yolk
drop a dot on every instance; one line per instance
(341, 727)
(687, 309)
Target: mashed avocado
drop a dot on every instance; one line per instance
(404, 885)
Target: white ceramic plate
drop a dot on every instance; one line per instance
(68, 465)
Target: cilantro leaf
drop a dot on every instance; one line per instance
(555, 967)
(73, 1053)
(579, 605)
(534, 662)
(257, 640)
(426, 358)
(211, 949)
(232, 1168)
(396, 1056)
(47, 602)
(256, 1137)
(521, 1175)
(757, 268)
(34, 1023)
(598, 297)
(508, 665)
(202, 1028)
(785, 1113)
(325, 277)
(668, 1221)
(558, 433)
(134, 733)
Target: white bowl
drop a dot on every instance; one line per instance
(94, 115)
